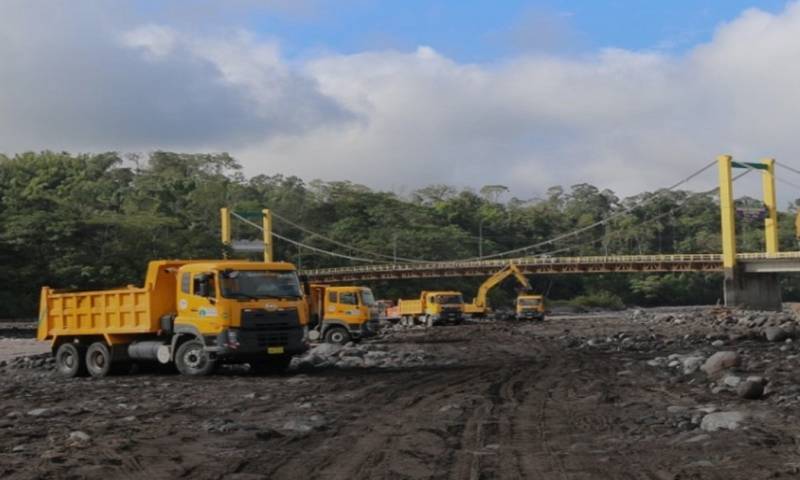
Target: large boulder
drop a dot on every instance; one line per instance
(750, 390)
(775, 334)
(719, 362)
(722, 421)
(691, 363)
(326, 349)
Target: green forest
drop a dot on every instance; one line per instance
(93, 221)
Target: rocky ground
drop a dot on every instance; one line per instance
(653, 394)
(18, 339)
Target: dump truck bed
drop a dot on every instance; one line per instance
(410, 307)
(131, 310)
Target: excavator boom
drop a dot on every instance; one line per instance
(478, 305)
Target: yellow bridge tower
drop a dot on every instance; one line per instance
(746, 289)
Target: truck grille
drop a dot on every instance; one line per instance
(272, 339)
(270, 328)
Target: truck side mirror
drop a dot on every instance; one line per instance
(306, 285)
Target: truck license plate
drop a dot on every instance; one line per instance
(274, 350)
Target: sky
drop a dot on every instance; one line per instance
(396, 95)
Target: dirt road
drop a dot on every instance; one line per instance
(567, 399)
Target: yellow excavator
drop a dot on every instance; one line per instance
(479, 307)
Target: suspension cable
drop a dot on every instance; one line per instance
(300, 244)
(602, 221)
(344, 245)
(788, 167)
(608, 235)
(671, 211)
(787, 182)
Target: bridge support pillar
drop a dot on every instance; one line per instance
(752, 291)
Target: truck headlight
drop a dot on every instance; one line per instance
(233, 338)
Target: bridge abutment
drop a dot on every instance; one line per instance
(753, 291)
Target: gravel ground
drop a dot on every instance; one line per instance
(17, 339)
(654, 394)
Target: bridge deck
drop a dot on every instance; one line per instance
(753, 262)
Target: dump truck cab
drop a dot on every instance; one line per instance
(444, 306)
(242, 309)
(341, 314)
(530, 307)
(432, 308)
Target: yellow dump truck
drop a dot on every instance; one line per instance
(340, 314)
(479, 306)
(432, 308)
(194, 314)
(530, 307)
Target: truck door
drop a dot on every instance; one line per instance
(430, 305)
(348, 306)
(197, 302)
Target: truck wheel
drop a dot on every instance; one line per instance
(428, 321)
(192, 359)
(265, 366)
(98, 360)
(337, 335)
(70, 361)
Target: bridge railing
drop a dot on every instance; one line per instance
(589, 260)
(678, 258)
(768, 256)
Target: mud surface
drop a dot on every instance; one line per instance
(583, 397)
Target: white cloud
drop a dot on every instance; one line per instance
(98, 78)
(158, 41)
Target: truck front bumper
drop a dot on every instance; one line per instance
(238, 343)
(448, 317)
(363, 330)
(530, 316)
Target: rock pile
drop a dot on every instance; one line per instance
(775, 326)
(43, 361)
(364, 355)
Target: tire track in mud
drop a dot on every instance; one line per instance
(371, 445)
(412, 434)
(505, 429)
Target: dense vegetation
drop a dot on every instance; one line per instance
(92, 221)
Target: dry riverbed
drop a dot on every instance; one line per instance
(657, 394)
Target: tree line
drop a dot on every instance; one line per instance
(93, 221)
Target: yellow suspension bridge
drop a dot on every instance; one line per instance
(750, 279)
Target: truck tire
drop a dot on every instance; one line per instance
(270, 365)
(98, 360)
(70, 361)
(193, 360)
(337, 335)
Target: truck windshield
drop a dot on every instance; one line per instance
(260, 284)
(529, 302)
(443, 299)
(367, 298)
